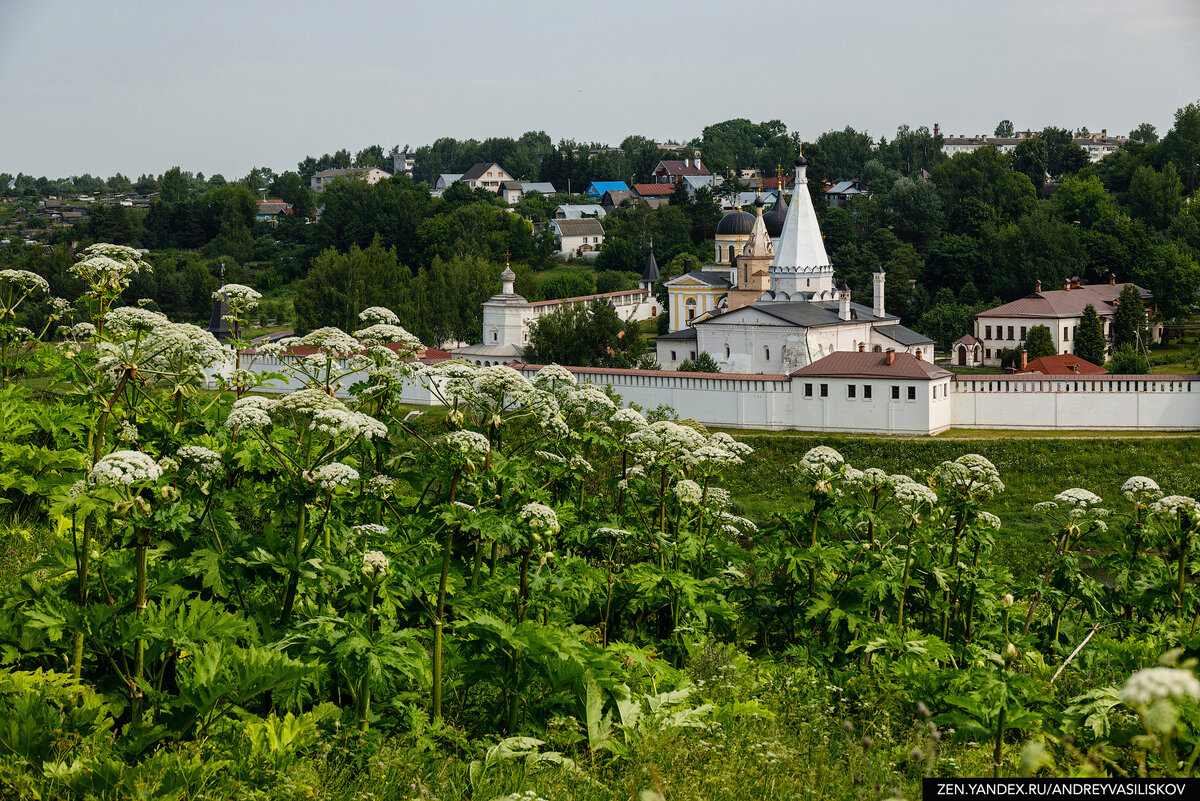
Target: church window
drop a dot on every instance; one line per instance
(495, 336)
(824, 390)
(987, 332)
(1024, 331)
(866, 391)
(1010, 332)
(726, 351)
(987, 353)
(912, 393)
(895, 392)
(672, 355)
(692, 355)
(767, 352)
(1065, 337)
(808, 390)
(850, 391)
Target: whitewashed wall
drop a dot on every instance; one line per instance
(1162, 403)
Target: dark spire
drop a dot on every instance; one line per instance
(777, 216)
(650, 274)
(218, 326)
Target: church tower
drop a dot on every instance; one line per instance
(801, 267)
(752, 264)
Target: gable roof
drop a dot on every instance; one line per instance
(905, 336)
(718, 278)
(654, 190)
(479, 169)
(604, 186)
(856, 364)
(846, 188)
(1063, 303)
(816, 314)
(543, 187)
(678, 168)
(510, 186)
(574, 211)
(614, 197)
(587, 226)
(1063, 364)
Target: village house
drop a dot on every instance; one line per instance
(487, 175)
(371, 175)
(579, 237)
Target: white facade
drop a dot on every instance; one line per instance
(371, 175)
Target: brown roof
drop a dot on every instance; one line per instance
(274, 207)
(587, 226)
(856, 364)
(1064, 364)
(678, 168)
(967, 339)
(662, 373)
(479, 169)
(653, 190)
(1062, 302)
(773, 183)
(1154, 378)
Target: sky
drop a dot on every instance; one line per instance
(221, 87)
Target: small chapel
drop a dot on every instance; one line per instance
(769, 304)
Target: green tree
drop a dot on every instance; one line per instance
(1089, 342)
(576, 334)
(1144, 133)
(840, 155)
(1039, 343)
(1171, 275)
(1155, 197)
(1129, 320)
(1063, 156)
(1005, 128)
(173, 186)
(1029, 157)
(1128, 360)
(703, 363)
(914, 211)
(1183, 141)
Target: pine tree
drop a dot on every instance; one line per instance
(1129, 321)
(1089, 343)
(1039, 343)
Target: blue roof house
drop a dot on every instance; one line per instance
(596, 189)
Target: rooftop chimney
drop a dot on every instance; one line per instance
(1075, 282)
(936, 129)
(919, 355)
(1112, 279)
(687, 265)
(1066, 284)
(889, 357)
(1024, 360)
(862, 347)
(1038, 286)
(844, 310)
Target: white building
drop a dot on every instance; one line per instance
(486, 174)
(578, 237)
(1060, 310)
(371, 175)
(576, 211)
(403, 163)
(774, 308)
(507, 317)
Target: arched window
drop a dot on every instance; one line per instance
(727, 351)
(767, 352)
(690, 303)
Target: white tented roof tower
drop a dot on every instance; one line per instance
(801, 264)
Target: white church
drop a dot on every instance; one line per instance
(774, 307)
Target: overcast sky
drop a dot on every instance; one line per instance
(219, 87)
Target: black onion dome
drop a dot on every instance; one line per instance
(801, 161)
(736, 223)
(758, 202)
(775, 218)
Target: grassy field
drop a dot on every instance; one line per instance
(1033, 468)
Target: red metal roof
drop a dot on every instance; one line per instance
(654, 190)
(871, 364)
(1063, 364)
(589, 297)
(1062, 302)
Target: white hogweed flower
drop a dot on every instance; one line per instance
(129, 320)
(468, 445)
(384, 333)
(236, 292)
(369, 530)
(1145, 687)
(1175, 504)
(375, 564)
(378, 315)
(127, 432)
(29, 282)
(987, 520)
(914, 494)
(333, 475)
(124, 468)
(615, 533)
(553, 374)
(201, 461)
(540, 518)
(688, 492)
(252, 411)
(1140, 489)
(1078, 498)
(823, 455)
(380, 486)
(343, 423)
